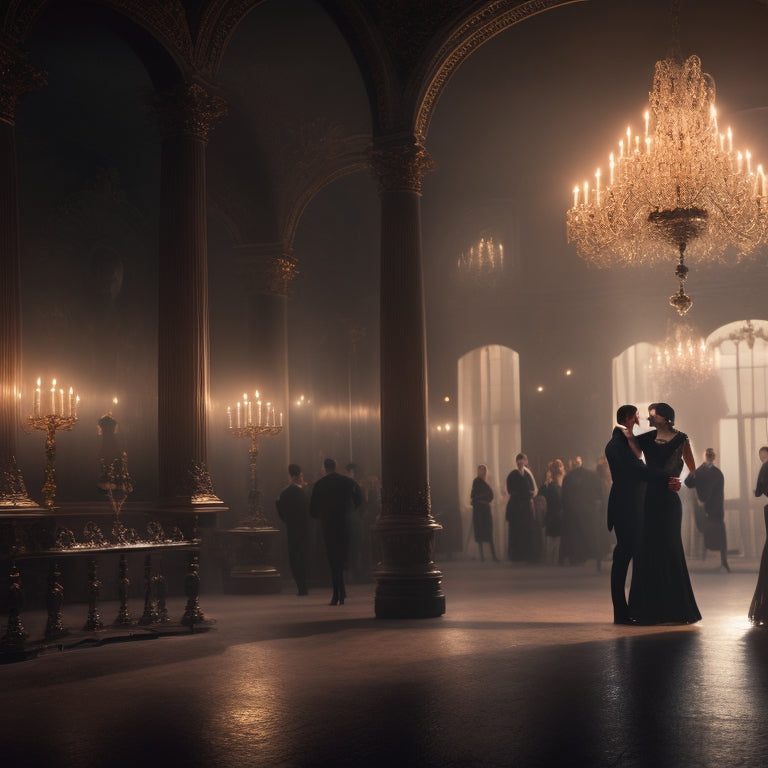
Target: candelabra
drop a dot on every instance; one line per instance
(256, 516)
(58, 419)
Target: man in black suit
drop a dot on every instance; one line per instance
(625, 502)
(334, 498)
(293, 508)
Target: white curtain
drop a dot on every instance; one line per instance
(489, 431)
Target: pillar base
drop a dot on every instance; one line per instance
(408, 586)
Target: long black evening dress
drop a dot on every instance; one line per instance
(661, 591)
(758, 609)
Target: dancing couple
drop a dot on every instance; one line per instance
(645, 512)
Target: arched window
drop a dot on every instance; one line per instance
(741, 358)
(489, 430)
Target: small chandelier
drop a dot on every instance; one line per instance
(678, 186)
(482, 262)
(683, 359)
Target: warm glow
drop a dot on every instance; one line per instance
(447, 399)
(568, 371)
(539, 388)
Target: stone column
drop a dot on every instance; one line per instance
(187, 116)
(408, 583)
(16, 77)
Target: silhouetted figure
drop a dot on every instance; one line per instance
(481, 496)
(582, 497)
(335, 498)
(625, 502)
(552, 492)
(758, 610)
(709, 483)
(521, 489)
(661, 591)
(293, 510)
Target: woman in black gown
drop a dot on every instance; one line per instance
(758, 609)
(661, 591)
(481, 496)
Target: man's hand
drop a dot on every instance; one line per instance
(673, 484)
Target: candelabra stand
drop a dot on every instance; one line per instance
(247, 546)
(256, 516)
(50, 424)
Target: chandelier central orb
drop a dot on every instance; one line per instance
(679, 187)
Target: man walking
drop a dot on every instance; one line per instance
(334, 499)
(293, 509)
(625, 502)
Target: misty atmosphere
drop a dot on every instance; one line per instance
(529, 114)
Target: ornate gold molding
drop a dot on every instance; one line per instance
(271, 268)
(190, 110)
(17, 76)
(467, 38)
(401, 164)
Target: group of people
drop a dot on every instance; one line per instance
(558, 522)
(334, 500)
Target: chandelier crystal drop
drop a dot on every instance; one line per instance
(679, 187)
(682, 359)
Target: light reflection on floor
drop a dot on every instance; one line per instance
(524, 669)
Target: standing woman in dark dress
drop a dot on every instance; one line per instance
(481, 496)
(519, 513)
(661, 591)
(758, 610)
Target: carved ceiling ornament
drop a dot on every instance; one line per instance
(220, 20)
(17, 76)
(401, 164)
(463, 41)
(190, 110)
(166, 20)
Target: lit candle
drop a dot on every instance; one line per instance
(238, 415)
(648, 145)
(575, 196)
(621, 149)
(281, 413)
(229, 417)
(273, 417)
(53, 397)
(612, 165)
(637, 145)
(61, 402)
(71, 399)
(722, 142)
(586, 193)
(713, 115)
(730, 139)
(36, 400)
(647, 115)
(749, 161)
(629, 140)
(259, 404)
(77, 402)
(597, 181)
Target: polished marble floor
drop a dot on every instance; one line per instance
(525, 669)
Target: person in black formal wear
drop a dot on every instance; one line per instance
(625, 502)
(481, 497)
(709, 483)
(661, 591)
(293, 509)
(334, 500)
(521, 488)
(758, 609)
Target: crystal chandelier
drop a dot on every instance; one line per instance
(482, 262)
(683, 359)
(678, 186)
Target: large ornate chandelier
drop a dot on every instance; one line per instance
(679, 186)
(683, 360)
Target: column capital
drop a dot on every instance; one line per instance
(271, 267)
(400, 163)
(189, 110)
(17, 76)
